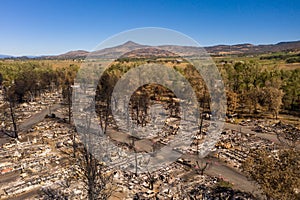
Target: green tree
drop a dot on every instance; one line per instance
(291, 89)
(277, 173)
(1, 79)
(273, 95)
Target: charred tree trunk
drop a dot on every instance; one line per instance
(12, 114)
(10, 98)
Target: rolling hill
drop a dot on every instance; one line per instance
(128, 47)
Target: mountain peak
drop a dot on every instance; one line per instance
(130, 43)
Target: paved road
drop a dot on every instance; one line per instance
(238, 180)
(36, 118)
(28, 123)
(247, 130)
(217, 168)
(220, 169)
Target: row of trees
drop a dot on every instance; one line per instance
(25, 81)
(252, 88)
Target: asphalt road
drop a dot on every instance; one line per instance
(238, 180)
(217, 168)
(30, 122)
(36, 118)
(246, 130)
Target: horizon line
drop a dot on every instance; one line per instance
(206, 46)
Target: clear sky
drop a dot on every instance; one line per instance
(40, 27)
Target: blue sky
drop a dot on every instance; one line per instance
(39, 27)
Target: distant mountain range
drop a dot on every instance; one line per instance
(5, 56)
(130, 48)
(20, 57)
(254, 49)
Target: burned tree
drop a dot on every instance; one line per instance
(133, 147)
(201, 166)
(97, 180)
(150, 180)
(140, 103)
(10, 97)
